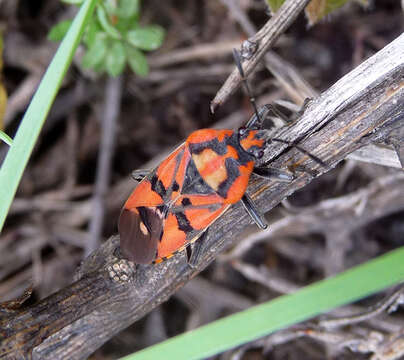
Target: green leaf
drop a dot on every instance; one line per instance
(58, 31)
(93, 28)
(128, 8)
(96, 53)
(126, 24)
(137, 61)
(34, 118)
(106, 25)
(100, 68)
(317, 9)
(7, 139)
(116, 59)
(274, 5)
(109, 7)
(263, 319)
(75, 2)
(146, 38)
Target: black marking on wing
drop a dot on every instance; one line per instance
(233, 172)
(194, 183)
(175, 186)
(144, 217)
(183, 223)
(219, 147)
(163, 210)
(185, 201)
(191, 237)
(182, 208)
(135, 245)
(158, 186)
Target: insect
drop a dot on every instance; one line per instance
(174, 204)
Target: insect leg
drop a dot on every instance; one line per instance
(273, 173)
(254, 213)
(139, 174)
(278, 113)
(259, 113)
(303, 108)
(258, 117)
(304, 151)
(237, 60)
(256, 121)
(194, 256)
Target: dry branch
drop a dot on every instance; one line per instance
(365, 105)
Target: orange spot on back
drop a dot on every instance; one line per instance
(207, 161)
(239, 186)
(231, 152)
(212, 166)
(251, 141)
(203, 135)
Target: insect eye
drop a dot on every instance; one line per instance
(242, 131)
(258, 153)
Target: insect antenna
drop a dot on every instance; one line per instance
(262, 112)
(257, 117)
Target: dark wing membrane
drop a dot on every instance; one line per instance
(140, 230)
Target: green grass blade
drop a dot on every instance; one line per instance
(263, 319)
(34, 118)
(5, 138)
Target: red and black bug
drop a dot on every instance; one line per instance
(174, 204)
